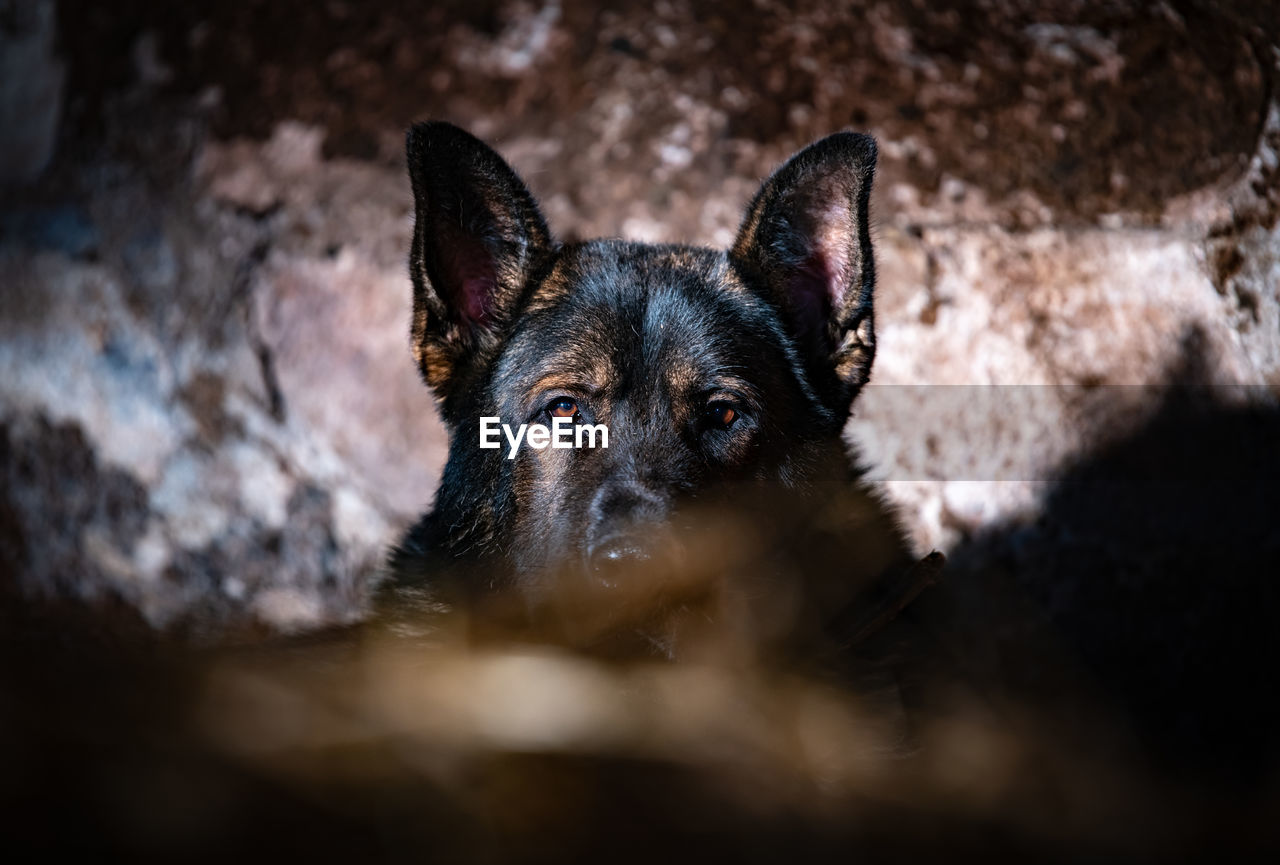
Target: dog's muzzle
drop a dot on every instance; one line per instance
(627, 531)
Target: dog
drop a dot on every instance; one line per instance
(723, 379)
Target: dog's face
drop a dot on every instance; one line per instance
(714, 371)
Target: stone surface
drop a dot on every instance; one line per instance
(208, 406)
(252, 398)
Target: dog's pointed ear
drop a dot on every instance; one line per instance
(806, 240)
(477, 237)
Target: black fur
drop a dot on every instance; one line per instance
(662, 343)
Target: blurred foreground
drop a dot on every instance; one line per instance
(364, 747)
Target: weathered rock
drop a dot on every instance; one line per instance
(208, 403)
(274, 435)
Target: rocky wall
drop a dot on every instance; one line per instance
(208, 411)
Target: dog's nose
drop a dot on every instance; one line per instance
(639, 555)
(611, 556)
(618, 548)
(627, 528)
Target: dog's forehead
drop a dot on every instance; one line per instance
(618, 275)
(610, 307)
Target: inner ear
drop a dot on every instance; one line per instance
(472, 282)
(815, 251)
(478, 238)
(806, 244)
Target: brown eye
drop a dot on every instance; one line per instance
(721, 415)
(562, 407)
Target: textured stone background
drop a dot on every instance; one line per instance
(208, 411)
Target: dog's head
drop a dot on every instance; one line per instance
(713, 371)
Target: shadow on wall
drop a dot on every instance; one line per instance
(1154, 562)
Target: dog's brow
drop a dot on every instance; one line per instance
(733, 384)
(561, 381)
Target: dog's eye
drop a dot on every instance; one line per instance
(720, 415)
(562, 407)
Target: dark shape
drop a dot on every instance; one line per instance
(724, 378)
